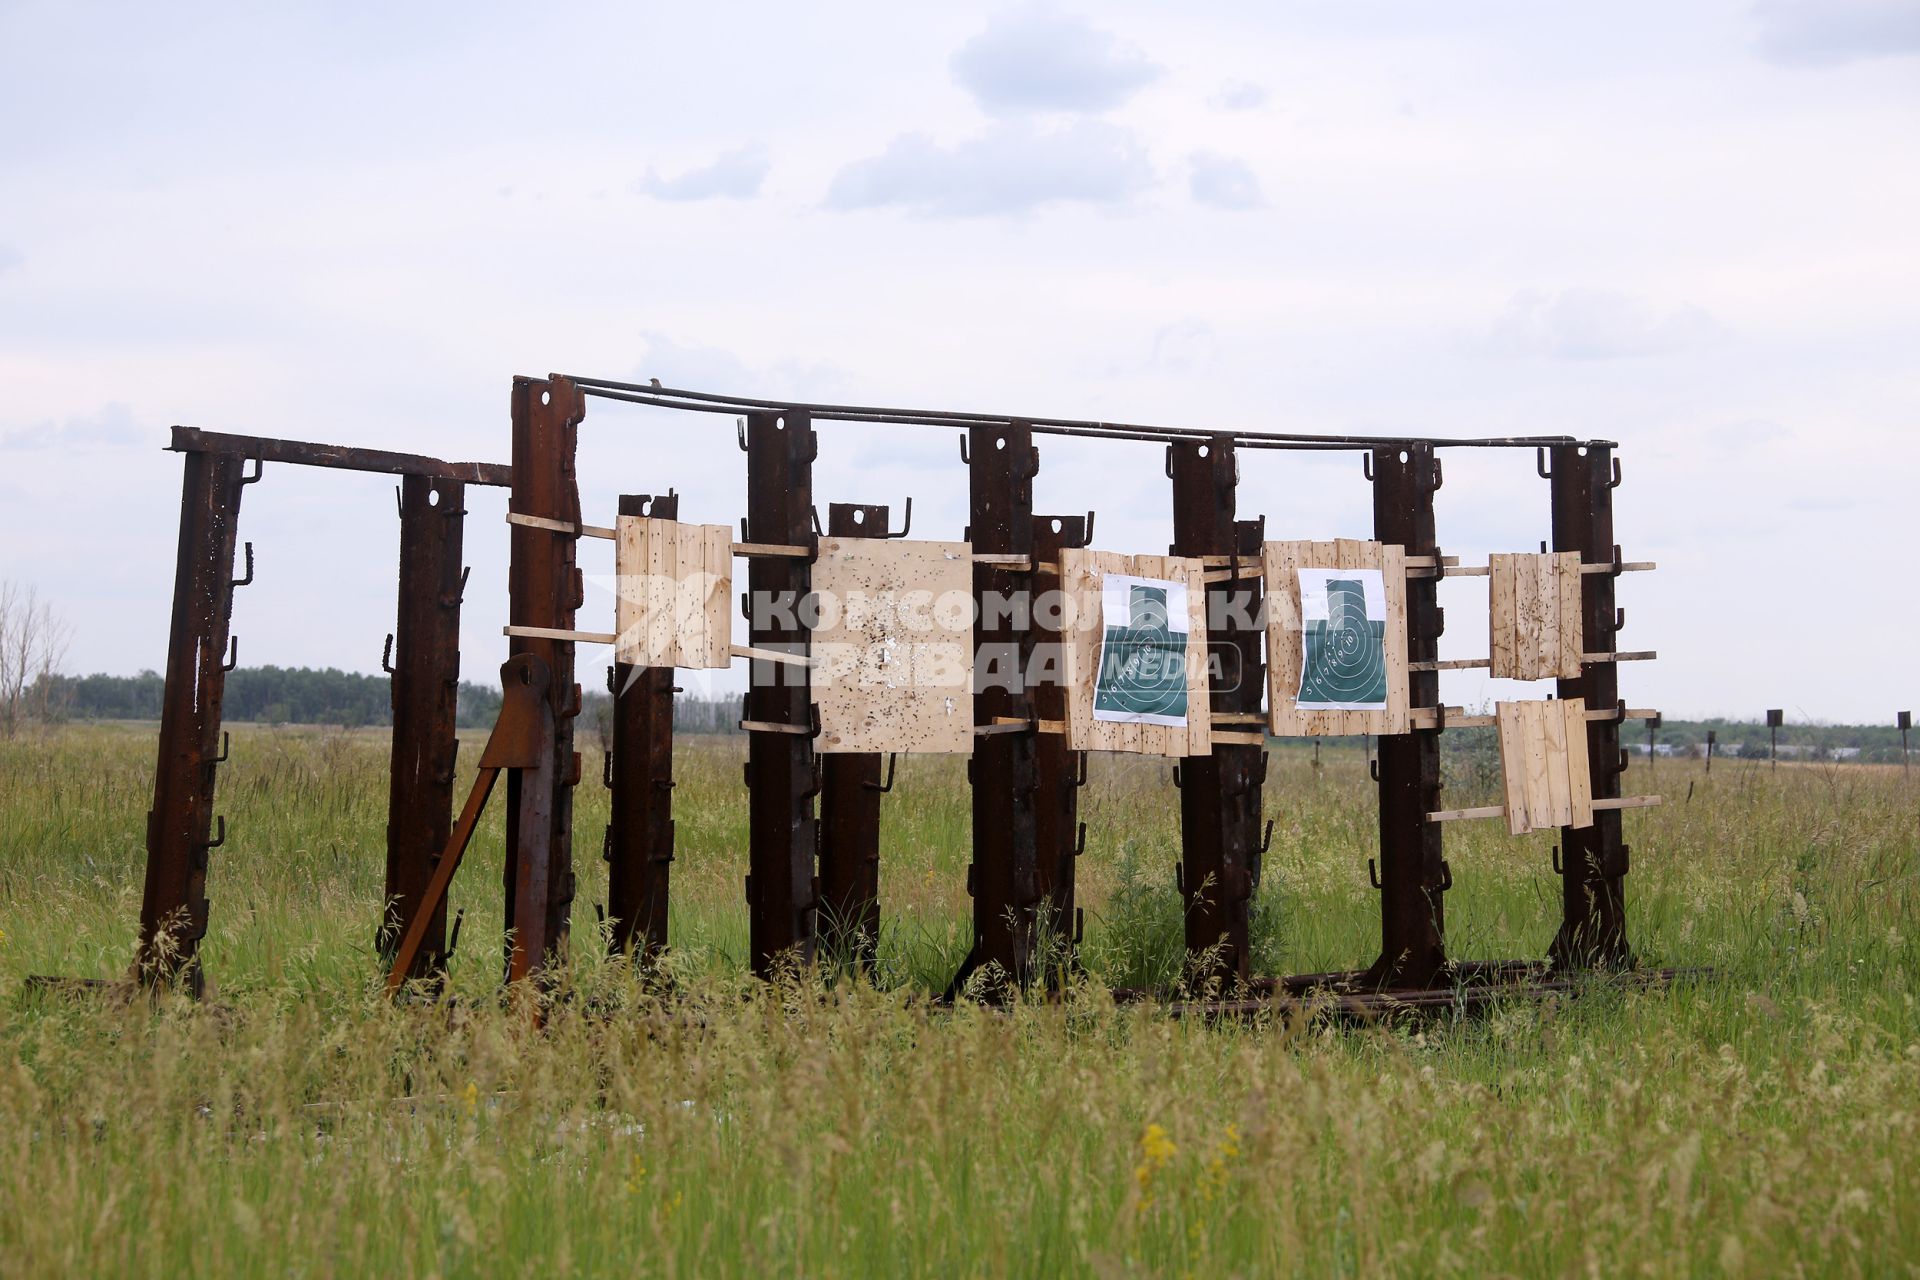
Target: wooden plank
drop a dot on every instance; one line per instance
(893, 676)
(1455, 815)
(1286, 640)
(672, 586)
(1082, 573)
(1553, 727)
(1500, 615)
(1630, 802)
(1579, 766)
(561, 526)
(1513, 770)
(559, 633)
(1567, 580)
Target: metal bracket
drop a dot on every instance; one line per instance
(1620, 618)
(906, 522)
(1615, 482)
(963, 450)
(226, 748)
(1366, 464)
(1080, 841)
(386, 655)
(460, 595)
(1176, 777)
(1557, 868)
(1373, 874)
(1266, 838)
(1540, 462)
(259, 468)
(1080, 769)
(740, 432)
(220, 820)
(246, 581)
(1373, 768)
(884, 787)
(606, 769)
(1439, 479)
(1446, 876)
(233, 654)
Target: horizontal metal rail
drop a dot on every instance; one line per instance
(708, 402)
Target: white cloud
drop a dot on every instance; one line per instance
(735, 175)
(1012, 168)
(1829, 32)
(1222, 182)
(108, 429)
(10, 258)
(1036, 59)
(1594, 324)
(1240, 95)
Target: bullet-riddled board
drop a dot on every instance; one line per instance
(1352, 651)
(1543, 760)
(1121, 672)
(893, 646)
(1534, 605)
(673, 588)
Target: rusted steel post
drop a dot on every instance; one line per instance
(639, 848)
(426, 686)
(1593, 928)
(1412, 871)
(1058, 773)
(1220, 792)
(1003, 879)
(173, 907)
(544, 588)
(782, 780)
(850, 810)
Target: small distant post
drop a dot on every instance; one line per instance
(1774, 719)
(1653, 727)
(1905, 720)
(1711, 737)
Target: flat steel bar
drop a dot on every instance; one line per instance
(1058, 772)
(424, 695)
(850, 811)
(173, 905)
(781, 776)
(544, 588)
(666, 396)
(1004, 878)
(340, 457)
(1593, 926)
(639, 850)
(1412, 911)
(1219, 792)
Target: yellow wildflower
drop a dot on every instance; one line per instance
(471, 1096)
(636, 1177)
(1156, 1148)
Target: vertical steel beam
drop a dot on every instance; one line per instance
(544, 589)
(639, 848)
(1004, 878)
(850, 810)
(426, 686)
(1058, 773)
(1220, 796)
(1412, 871)
(173, 907)
(1593, 928)
(782, 780)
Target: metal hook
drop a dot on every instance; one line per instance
(1373, 769)
(884, 787)
(1086, 538)
(233, 654)
(1615, 482)
(453, 939)
(1557, 868)
(1080, 770)
(259, 467)
(1176, 777)
(1169, 462)
(1366, 464)
(1620, 618)
(458, 597)
(1616, 561)
(813, 514)
(1622, 766)
(1080, 841)
(963, 449)
(1373, 873)
(1439, 476)
(386, 655)
(1446, 876)
(740, 432)
(606, 769)
(1266, 838)
(1540, 462)
(398, 509)
(241, 582)
(220, 820)
(906, 524)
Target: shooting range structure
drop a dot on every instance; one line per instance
(813, 888)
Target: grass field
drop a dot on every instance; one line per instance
(1762, 1121)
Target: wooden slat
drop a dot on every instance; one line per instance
(1630, 802)
(1567, 580)
(1513, 766)
(770, 655)
(561, 526)
(557, 633)
(1579, 766)
(1500, 615)
(1456, 815)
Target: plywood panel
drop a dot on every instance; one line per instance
(1082, 574)
(673, 584)
(1286, 641)
(1543, 760)
(893, 649)
(1534, 616)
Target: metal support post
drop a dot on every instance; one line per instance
(639, 770)
(1059, 836)
(781, 776)
(1412, 871)
(173, 907)
(544, 589)
(426, 686)
(850, 810)
(1220, 793)
(1593, 929)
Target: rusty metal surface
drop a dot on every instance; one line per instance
(1593, 864)
(342, 457)
(521, 741)
(639, 848)
(544, 589)
(425, 693)
(782, 779)
(1003, 879)
(1412, 872)
(173, 906)
(1220, 793)
(1059, 837)
(850, 793)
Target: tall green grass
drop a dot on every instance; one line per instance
(1760, 1121)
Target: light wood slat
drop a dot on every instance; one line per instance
(672, 586)
(1638, 655)
(1500, 595)
(1567, 580)
(770, 655)
(558, 633)
(1456, 815)
(1545, 771)
(771, 550)
(1513, 763)
(1553, 724)
(1632, 566)
(1630, 802)
(1579, 764)
(561, 526)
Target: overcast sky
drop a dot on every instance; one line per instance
(1691, 228)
